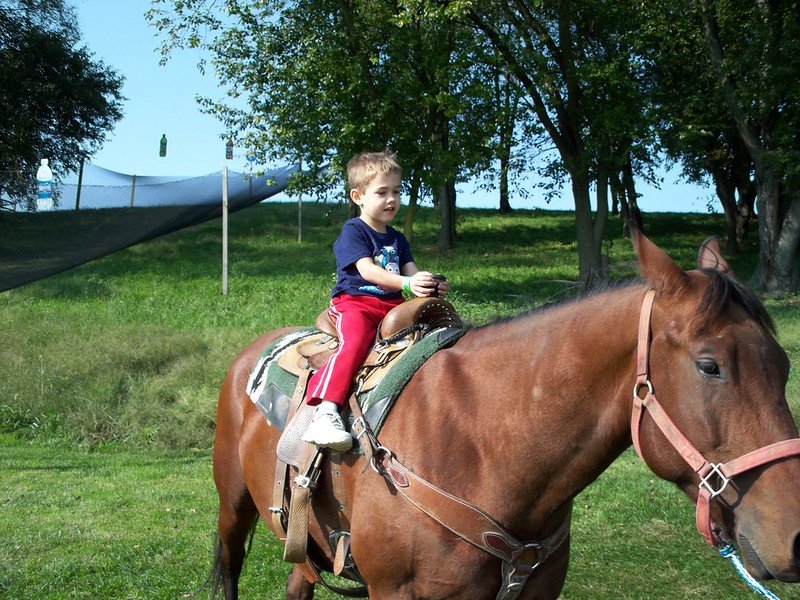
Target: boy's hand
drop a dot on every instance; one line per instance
(423, 284)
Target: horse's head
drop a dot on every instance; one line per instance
(720, 376)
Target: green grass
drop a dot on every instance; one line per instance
(116, 523)
(109, 383)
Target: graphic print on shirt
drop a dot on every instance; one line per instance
(387, 259)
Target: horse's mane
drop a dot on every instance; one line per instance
(608, 286)
(720, 291)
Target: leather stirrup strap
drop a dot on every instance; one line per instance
(278, 514)
(296, 546)
(339, 490)
(297, 534)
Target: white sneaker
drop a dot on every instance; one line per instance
(327, 431)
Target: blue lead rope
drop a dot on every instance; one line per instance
(729, 552)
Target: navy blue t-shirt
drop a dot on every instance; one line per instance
(358, 240)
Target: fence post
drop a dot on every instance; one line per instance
(133, 189)
(224, 231)
(80, 183)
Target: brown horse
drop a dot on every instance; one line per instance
(521, 415)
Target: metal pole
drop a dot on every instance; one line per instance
(224, 231)
(133, 189)
(80, 183)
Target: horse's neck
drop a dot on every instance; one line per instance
(559, 414)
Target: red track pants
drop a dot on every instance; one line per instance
(357, 319)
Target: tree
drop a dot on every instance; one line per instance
(55, 101)
(694, 126)
(517, 136)
(758, 75)
(324, 79)
(574, 62)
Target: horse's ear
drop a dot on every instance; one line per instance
(710, 257)
(656, 267)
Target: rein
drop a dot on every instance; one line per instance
(714, 477)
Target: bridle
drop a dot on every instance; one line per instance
(714, 477)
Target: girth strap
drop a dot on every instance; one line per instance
(467, 521)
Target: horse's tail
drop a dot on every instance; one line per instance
(216, 579)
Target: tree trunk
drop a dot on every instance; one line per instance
(786, 275)
(413, 199)
(631, 197)
(601, 218)
(446, 196)
(726, 192)
(505, 159)
(615, 197)
(447, 210)
(777, 269)
(745, 210)
(589, 265)
(779, 233)
(447, 217)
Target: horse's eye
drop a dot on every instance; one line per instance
(708, 367)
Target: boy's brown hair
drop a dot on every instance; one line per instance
(365, 166)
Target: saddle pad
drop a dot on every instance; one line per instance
(270, 387)
(376, 403)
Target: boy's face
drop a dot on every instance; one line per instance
(379, 201)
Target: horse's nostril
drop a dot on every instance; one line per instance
(747, 550)
(796, 551)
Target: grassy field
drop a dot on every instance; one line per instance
(110, 373)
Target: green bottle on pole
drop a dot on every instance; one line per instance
(162, 150)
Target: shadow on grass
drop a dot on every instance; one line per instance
(262, 243)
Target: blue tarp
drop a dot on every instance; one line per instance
(116, 212)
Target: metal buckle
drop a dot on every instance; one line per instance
(309, 480)
(303, 481)
(716, 469)
(361, 424)
(379, 452)
(638, 386)
(514, 588)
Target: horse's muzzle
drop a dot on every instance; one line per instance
(759, 565)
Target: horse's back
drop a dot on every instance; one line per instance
(238, 420)
(233, 394)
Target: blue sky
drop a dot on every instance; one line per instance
(161, 100)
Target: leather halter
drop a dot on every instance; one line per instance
(714, 477)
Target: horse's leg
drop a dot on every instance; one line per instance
(298, 587)
(237, 511)
(237, 519)
(233, 528)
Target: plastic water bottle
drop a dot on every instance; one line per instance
(44, 180)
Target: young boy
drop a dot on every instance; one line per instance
(374, 266)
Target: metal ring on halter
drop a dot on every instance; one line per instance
(380, 450)
(716, 469)
(639, 385)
